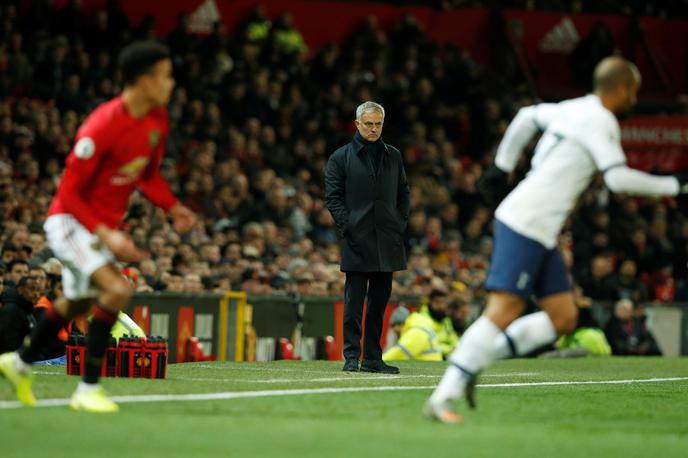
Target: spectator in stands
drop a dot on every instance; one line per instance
(629, 285)
(9, 253)
(396, 324)
(601, 284)
(173, 281)
(16, 270)
(16, 315)
(54, 347)
(41, 277)
(192, 283)
(459, 312)
(304, 284)
(628, 334)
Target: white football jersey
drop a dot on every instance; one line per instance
(580, 138)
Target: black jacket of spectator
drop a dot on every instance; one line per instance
(631, 338)
(16, 321)
(370, 207)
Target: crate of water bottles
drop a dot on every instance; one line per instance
(131, 356)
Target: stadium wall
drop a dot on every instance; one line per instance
(224, 323)
(217, 320)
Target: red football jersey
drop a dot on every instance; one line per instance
(113, 155)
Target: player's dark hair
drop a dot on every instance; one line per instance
(138, 58)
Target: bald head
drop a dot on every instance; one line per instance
(613, 72)
(616, 82)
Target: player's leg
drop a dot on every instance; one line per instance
(558, 317)
(354, 295)
(525, 335)
(73, 245)
(516, 260)
(474, 353)
(114, 293)
(16, 366)
(51, 322)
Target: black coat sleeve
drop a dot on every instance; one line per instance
(335, 179)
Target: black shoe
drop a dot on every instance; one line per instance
(350, 365)
(379, 366)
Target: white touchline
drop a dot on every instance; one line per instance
(351, 377)
(305, 391)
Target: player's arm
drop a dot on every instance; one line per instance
(623, 179)
(527, 123)
(605, 146)
(156, 189)
(335, 178)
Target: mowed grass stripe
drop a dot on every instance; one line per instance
(309, 391)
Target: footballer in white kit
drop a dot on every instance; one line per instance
(580, 138)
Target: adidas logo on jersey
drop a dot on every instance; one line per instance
(561, 39)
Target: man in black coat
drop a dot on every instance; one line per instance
(16, 316)
(368, 195)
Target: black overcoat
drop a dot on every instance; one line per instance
(370, 207)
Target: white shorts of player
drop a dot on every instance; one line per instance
(80, 252)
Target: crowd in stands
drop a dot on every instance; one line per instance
(662, 8)
(254, 117)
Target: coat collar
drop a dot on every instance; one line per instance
(359, 142)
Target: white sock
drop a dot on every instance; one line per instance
(22, 366)
(526, 333)
(474, 353)
(84, 387)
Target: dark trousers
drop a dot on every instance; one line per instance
(378, 286)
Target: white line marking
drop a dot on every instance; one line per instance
(352, 377)
(305, 391)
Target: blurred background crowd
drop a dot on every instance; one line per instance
(254, 117)
(662, 8)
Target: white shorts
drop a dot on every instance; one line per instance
(80, 252)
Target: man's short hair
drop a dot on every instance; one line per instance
(24, 280)
(9, 247)
(437, 293)
(138, 58)
(368, 107)
(14, 262)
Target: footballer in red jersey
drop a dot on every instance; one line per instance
(117, 150)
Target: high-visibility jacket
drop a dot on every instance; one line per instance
(593, 340)
(423, 339)
(258, 30)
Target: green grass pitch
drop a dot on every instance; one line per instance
(533, 419)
